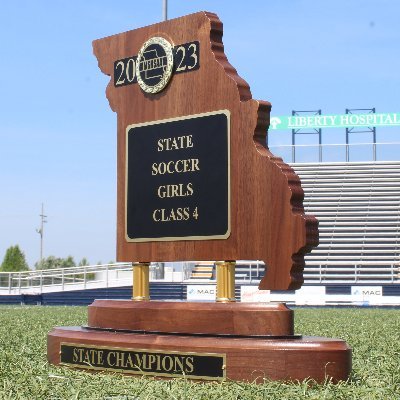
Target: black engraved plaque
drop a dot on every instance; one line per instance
(144, 362)
(177, 179)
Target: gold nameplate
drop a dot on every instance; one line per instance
(168, 363)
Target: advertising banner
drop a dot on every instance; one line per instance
(201, 292)
(366, 294)
(251, 294)
(333, 121)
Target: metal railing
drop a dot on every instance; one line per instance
(49, 280)
(120, 274)
(85, 277)
(345, 272)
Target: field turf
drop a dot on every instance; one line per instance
(373, 334)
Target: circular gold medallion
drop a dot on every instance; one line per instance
(154, 64)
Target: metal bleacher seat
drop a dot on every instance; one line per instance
(244, 271)
(358, 208)
(249, 270)
(202, 270)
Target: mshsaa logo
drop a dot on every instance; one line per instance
(154, 65)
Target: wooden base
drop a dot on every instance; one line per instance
(193, 317)
(245, 358)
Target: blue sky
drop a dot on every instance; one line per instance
(58, 134)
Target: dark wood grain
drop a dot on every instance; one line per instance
(267, 223)
(267, 217)
(246, 359)
(191, 317)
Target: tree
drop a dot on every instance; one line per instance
(68, 262)
(49, 262)
(52, 262)
(14, 260)
(84, 262)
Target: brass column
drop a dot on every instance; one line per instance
(141, 272)
(225, 281)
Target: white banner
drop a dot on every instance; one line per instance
(367, 294)
(201, 292)
(252, 294)
(310, 295)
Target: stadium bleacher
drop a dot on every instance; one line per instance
(244, 271)
(357, 205)
(358, 208)
(203, 270)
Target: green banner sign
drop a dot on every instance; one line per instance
(333, 121)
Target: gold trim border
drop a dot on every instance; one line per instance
(130, 372)
(180, 238)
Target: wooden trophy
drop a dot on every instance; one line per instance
(197, 182)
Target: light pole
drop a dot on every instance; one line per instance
(40, 231)
(165, 10)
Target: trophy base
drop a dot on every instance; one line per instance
(195, 350)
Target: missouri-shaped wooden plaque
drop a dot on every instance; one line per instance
(195, 178)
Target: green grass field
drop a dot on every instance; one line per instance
(373, 334)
